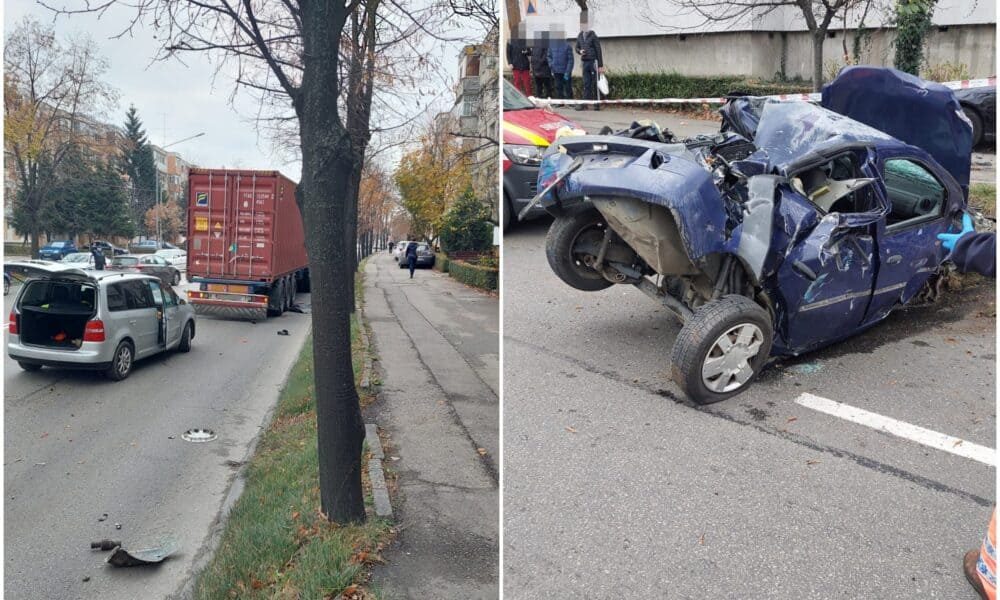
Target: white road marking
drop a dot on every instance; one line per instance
(933, 439)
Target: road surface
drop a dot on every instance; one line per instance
(77, 445)
(615, 486)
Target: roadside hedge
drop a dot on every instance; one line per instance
(441, 261)
(474, 275)
(624, 85)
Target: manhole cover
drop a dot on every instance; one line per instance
(198, 435)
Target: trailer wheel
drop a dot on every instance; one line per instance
(290, 287)
(276, 299)
(721, 349)
(564, 234)
(302, 283)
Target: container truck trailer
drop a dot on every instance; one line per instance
(246, 247)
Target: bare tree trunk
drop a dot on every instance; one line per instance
(327, 160)
(817, 40)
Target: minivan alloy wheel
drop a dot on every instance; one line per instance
(123, 360)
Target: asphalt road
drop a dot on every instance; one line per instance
(983, 159)
(77, 446)
(615, 486)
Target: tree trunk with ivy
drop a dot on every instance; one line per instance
(913, 23)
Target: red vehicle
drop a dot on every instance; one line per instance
(246, 248)
(527, 132)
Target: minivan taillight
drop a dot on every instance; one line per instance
(13, 323)
(94, 331)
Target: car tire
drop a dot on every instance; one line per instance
(29, 367)
(177, 278)
(121, 362)
(747, 329)
(977, 125)
(508, 211)
(6, 287)
(185, 344)
(563, 235)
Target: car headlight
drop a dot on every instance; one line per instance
(524, 155)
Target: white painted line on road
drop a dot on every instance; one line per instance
(933, 439)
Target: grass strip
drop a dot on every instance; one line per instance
(276, 544)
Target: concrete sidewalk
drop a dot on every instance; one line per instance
(438, 348)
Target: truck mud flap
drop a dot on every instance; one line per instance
(248, 313)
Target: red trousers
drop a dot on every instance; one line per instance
(522, 81)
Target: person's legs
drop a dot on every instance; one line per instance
(549, 85)
(413, 265)
(540, 87)
(557, 79)
(589, 81)
(522, 81)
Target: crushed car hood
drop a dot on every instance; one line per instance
(920, 113)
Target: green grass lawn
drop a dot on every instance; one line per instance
(276, 543)
(984, 197)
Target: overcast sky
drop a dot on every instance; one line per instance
(177, 100)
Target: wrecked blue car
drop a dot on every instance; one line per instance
(796, 226)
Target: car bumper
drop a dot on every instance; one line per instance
(521, 184)
(90, 355)
(425, 261)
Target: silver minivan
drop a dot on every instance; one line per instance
(104, 320)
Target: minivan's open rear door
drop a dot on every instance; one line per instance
(22, 270)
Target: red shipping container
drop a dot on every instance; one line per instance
(243, 226)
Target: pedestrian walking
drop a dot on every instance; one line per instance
(98, 255)
(976, 252)
(561, 63)
(411, 257)
(540, 70)
(588, 46)
(392, 245)
(519, 59)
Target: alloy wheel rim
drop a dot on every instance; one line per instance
(726, 366)
(124, 360)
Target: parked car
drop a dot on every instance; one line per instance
(107, 248)
(980, 105)
(808, 227)
(83, 260)
(71, 318)
(425, 256)
(56, 250)
(399, 248)
(527, 132)
(174, 256)
(151, 246)
(149, 264)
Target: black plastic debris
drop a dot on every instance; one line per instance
(105, 545)
(295, 308)
(138, 558)
(103, 517)
(282, 332)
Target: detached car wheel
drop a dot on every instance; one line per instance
(721, 349)
(121, 363)
(29, 366)
(563, 249)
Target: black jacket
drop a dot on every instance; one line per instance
(588, 46)
(411, 250)
(518, 55)
(540, 62)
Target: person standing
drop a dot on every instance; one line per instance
(98, 257)
(519, 57)
(540, 69)
(588, 46)
(411, 257)
(561, 63)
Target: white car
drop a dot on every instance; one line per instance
(82, 260)
(174, 256)
(399, 248)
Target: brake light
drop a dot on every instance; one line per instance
(13, 323)
(94, 331)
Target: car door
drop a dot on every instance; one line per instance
(164, 312)
(173, 315)
(922, 197)
(142, 316)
